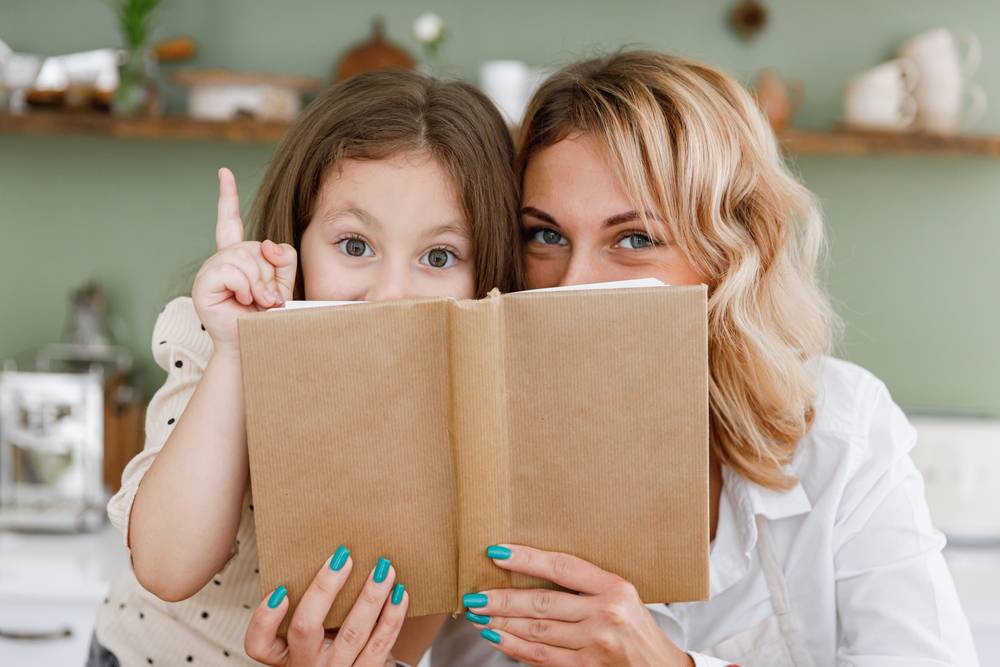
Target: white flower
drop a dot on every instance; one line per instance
(428, 28)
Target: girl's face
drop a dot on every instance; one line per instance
(387, 229)
(580, 227)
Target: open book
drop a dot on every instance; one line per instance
(424, 430)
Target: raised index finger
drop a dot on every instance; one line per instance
(568, 571)
(228, 225)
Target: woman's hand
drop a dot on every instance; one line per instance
(605, 624)
(366, 637)
(242, 276)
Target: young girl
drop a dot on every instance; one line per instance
(391, 185)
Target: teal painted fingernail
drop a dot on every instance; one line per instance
(496, 551)
(381, 570)
(477, 618)
(491, 635)
(474, 600)
(339, 558)
(397, 593)
(277, 596)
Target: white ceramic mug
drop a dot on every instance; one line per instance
(881, 98)
(951, 111)
(941, 51)
(946, 100)
(507, 83)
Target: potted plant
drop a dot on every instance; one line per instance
(136, 78)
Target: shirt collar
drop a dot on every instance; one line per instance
(736, 534)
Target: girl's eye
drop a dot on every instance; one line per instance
(355, 247)
(439, 258)
(547, 236)
(635, 241)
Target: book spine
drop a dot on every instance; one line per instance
(479, 436)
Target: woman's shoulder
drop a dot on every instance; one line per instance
(848, 397)
(857, 425)
(178, 331)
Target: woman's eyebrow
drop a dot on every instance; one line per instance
(539, 215)
(617, 219)
(354, 211)
(629, 216)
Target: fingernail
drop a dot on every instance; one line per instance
(397, 593)
(477, 618)
(381, 570)
(339, 558)
(498, 552)
(474, 600)
(491, 635)
(277, 596)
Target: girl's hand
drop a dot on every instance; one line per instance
(366, 637)
(606, 624)
(242, 276)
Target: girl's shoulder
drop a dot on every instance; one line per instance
(178, 334)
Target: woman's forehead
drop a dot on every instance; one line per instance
(573, 180)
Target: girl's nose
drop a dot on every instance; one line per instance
(393, 283)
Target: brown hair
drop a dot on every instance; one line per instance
(687, 141)
(379, 115)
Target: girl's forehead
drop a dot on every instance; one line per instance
(405, 193)
(403, 176)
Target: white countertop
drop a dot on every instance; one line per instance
(50, 581)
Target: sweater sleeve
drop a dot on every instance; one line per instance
(182, 348)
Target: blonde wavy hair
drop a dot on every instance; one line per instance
(690, 143)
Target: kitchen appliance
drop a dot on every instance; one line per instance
(51, 450)
(68, 425)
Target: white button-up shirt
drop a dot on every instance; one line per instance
(867, 583)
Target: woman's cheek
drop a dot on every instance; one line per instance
(540, 273)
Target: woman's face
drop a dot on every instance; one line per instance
(387, 229)
(580, 227)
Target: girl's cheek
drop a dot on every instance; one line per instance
(333, 280)
(458, 282)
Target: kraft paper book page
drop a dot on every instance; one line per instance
(426, 430)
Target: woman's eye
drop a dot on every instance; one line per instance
(635, 241)
(439, 258)
(355, 247)
(548, 237)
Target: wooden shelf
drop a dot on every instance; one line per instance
(857, 142)
(798, 142)
(168, 127)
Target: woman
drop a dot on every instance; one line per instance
(823, 552)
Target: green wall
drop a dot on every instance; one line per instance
(914, 240)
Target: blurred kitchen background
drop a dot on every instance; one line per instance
(112, 129)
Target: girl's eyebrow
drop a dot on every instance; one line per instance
(448, 228)
(354, 211)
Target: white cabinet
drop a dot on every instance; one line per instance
(50, 582)
(53, 582)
